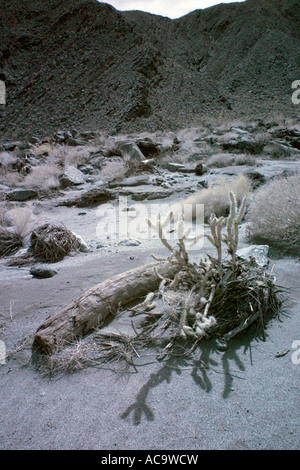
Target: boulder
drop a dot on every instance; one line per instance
(71, 176)
(21, 194)
(281, 149)
(42, 272)
(130, 151)
(243, 144)
(90, 198)
(148, 147)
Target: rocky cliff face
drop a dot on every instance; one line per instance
(83, 64)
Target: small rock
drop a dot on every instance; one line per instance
(88, 135)
(87, 169)
(42, 272)
(71, 177)
(200, 169)
(82, 245)
(34, 140)
(75, 142)
(179, 168)
(9, 147)
(203, 184)
(128, 242)
(131, 181)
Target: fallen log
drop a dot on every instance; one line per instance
(89, 311)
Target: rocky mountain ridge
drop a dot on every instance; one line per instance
(86, 65)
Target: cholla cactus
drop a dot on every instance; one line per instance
(233, 221)
(201, 281)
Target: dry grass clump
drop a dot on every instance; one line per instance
(15, 225)
(274, 214)
(215, 198)
(9, 242)
(44, 177)
(52, 243)
(222, 160)
(113, 170)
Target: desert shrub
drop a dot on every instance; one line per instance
(52, 243)
(9, 178)
(274, 214)
(114, 169)
(43, 177)
(20, 219)
(262, 139)
(15, 226)
(279, 151)
(215, 197)
(221, 160)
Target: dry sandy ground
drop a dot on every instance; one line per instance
(242, 398)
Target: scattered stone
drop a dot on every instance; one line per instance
(42, 272)
(71, 176)
(88, 135)
(179, 167)
(75, 142)
(148, 147)
(130, 151)
(245, 144)
(281, 149)
(258, 252)
(87, 169)
(82, 245)
(128, 242)
(9, 147)
(131, 181)
(21, 194)
(34, 140)
(200, 169)
(151, 195)
(90, 198)
(62, 136)
(203, 184)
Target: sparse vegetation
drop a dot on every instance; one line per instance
(221, 160)
(52, 243)
(16, 224)
(44, 177)
(274, 214)
(215, 197)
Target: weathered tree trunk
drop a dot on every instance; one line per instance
(88, 311)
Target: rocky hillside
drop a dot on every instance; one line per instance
(85, 65)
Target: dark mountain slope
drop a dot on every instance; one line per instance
(83, 64)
